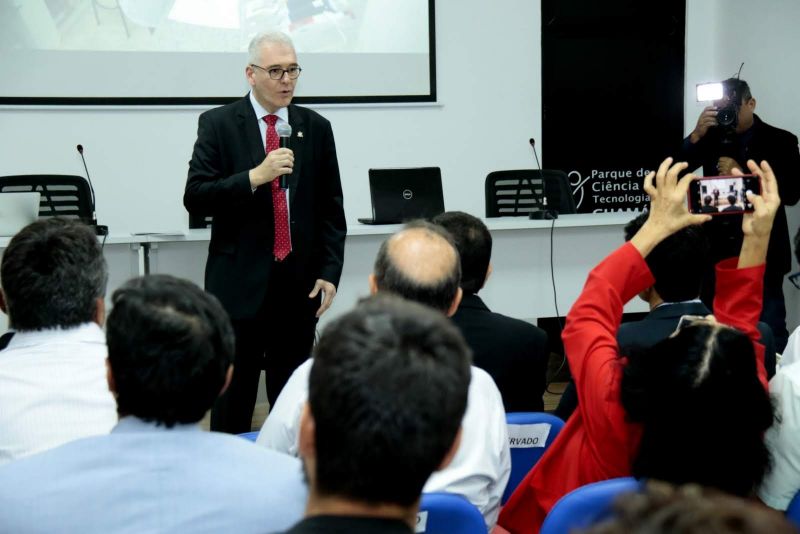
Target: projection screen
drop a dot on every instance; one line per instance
(194, 51)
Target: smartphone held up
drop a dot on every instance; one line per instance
(723, 195)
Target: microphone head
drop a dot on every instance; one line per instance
(284, 129)
(80, 148)
(531, 141)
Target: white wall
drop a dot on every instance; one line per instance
(138, 158)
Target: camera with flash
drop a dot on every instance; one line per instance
(728, 115)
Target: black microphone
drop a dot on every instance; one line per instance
(545, 213)
(99, 229)
(284, 130)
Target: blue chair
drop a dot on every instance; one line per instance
(586, 505)
(249, 435)
(793, 511)
(526, 432)
(448, 513)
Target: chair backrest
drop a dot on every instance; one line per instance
(529, 435)
(793, 511)
(520, 192)
(448, 513)
(249, 435)
(61, 195)
(586, 505)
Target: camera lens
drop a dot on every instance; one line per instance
(726, 116)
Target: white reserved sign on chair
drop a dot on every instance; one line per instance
(528, 436)
(422, 521)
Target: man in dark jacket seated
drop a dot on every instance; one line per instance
(512, 351)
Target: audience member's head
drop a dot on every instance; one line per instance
(707, 200)
(420, 263)
(732, 200)
(53, 276)
(678, 263)
(690, 509)
(387, 392)
(474, 244)
(170, 350)
(700, 386)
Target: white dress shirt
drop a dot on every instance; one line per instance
(53, 389)
(783, 439)
(480, 469)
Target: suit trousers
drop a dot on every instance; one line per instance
(277, 339)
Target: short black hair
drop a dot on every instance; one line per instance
(741, 87)
(53, 272)
(702, 382)
(731, 199)
(707, 200)
(474, 244)
(170, 345)
(390, 277)
(678, 263)
(387, 390)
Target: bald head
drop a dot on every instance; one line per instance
(420, 263)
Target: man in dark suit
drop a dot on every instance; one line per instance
(720, 151)
(678, 264)
(512, 351)
(275, 256)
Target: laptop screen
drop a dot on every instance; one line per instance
(403, 194)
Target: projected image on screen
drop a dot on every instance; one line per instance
(148, 48)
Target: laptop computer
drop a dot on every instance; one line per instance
(17, 210)
(402, 194)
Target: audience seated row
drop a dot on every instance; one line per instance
(389, 404)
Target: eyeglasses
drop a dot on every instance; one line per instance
(795, 279)
(276, 73)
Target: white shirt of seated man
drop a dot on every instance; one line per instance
(480, 469)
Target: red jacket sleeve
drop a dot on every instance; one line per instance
(737, 303)
(590, 341)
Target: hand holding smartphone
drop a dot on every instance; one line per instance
(723, 195)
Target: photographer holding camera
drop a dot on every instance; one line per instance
(727, 134)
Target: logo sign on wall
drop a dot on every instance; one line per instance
(608, 190)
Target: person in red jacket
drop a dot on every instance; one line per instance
(694, 407)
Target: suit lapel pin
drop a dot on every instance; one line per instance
(299, 134)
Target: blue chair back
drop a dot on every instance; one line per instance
(448, 513)
(529, 435)
(793, 511)
(249, 435)
(586, 505)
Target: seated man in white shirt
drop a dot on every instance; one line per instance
(420, 263)
(52, 372)
(170, 356)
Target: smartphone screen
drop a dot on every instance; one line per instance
(721, 195)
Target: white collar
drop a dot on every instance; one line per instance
(261, 112)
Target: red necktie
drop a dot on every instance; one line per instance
(283, 243)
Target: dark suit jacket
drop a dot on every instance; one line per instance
(228, 145)
(513, 352)
(662, 321)
(760, 142)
